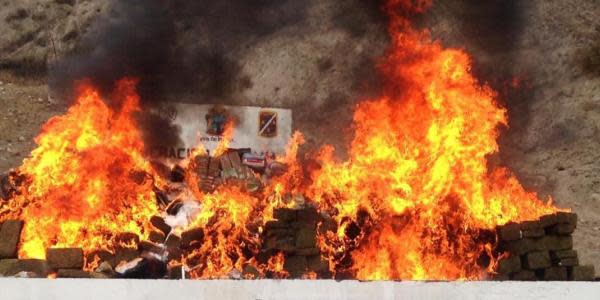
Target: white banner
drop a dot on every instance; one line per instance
(262, 129)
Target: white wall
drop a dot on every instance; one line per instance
(94, 289)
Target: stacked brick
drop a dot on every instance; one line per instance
(540, 250)
(208, 172)
(294, 233)
(10, 232)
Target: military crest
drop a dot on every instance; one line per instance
(216, 119)
(267, 124)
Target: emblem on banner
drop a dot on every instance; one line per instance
(267, 124)
(216, 119)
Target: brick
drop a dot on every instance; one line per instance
(549, 220)
(127, 240)
(509, 232)
(102, 256)
(156, 237)
(567, 262)
(519, 247)
(65, 258)
(307, 251)
(11, 267)
(559, 218)
(536, 260)
(297, 225)
(149, 246)
(174, 254)
(295, 265)
(308, 215)
(250, 272)
(10, 234)
(105, 268)
(555, 243)
(275, 224)
(534, 233)
(317, 264)
(581, 273)
(286, 244)
(285, 214)
(561, 229)
(327, 225)
(509, 265)
(555, 274)
(159, 223)
(560, 254)
(499, 277)
(191, 237)
(173, 241)
(280, 232)
(523, 275)
(71, 273)
(531, 225)
(306, 238)
(567, 218)
(99, 275)
(178, 272)
(125, 255)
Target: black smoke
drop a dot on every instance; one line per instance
(177, 49)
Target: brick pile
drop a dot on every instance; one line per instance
(540, 250)
(293, 233)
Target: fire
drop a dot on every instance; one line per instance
(87, 178)
(414, 200)
(417, 182)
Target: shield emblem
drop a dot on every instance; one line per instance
(215, 121)
(267, 124)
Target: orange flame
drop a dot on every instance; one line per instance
(418, 166)
(411, 202)
(226, 141)
(88, 178)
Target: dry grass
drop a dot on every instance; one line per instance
(25, 71)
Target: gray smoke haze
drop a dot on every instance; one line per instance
(174, 47)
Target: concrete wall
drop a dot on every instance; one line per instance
(90, 289)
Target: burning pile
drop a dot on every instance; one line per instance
(417, 198)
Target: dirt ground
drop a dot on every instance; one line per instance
(554, 136)
(24, 108)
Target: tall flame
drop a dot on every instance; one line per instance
(417, 180)
(413, 201)
(88, 179)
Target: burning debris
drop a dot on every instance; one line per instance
(416, 198)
